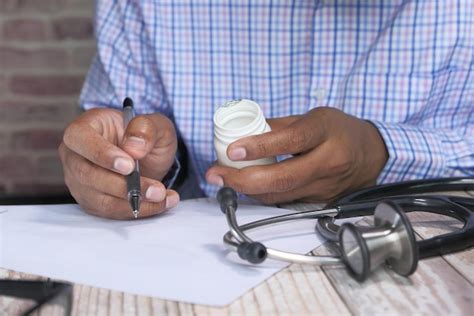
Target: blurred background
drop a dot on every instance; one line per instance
(45, 50)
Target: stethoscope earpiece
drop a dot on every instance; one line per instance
(253, 252)
(227, 197)
(391, 240)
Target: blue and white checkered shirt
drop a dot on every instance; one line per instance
(407, 66)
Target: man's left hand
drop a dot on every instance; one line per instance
(333, 153)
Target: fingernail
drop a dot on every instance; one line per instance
(156, 194)
(171, 201)
(123, 165)
(238, 153)
(215, 179)
(136, 142)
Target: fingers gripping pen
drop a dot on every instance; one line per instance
(133, 179)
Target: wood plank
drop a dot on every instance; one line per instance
(185, 309)
(296, 290)
(93, 300)
(162, 307)
(116, 303)
(436, 288)
(103, 302)
(144, 307)
(317, 291)
(211, 311)
(428, 225)
(129, 304)
(246, 304)
(432, 290)
(80, 301)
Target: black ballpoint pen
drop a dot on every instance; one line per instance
(133, 179)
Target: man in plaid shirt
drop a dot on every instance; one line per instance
(357, 92)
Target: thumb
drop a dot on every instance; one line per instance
(146, 132)
(139, 137)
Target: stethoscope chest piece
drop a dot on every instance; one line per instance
(391, 240)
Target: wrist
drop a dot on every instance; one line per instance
(375, 152)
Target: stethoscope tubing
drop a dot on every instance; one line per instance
(362, 203)
(408, 187)
(459, 207)
(238, 233)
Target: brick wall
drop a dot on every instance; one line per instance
(45, 50)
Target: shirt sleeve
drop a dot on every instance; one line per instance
(418, 151)
(125, 64)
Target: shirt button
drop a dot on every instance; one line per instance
(321, 95)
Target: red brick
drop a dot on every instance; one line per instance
(27, 58)
(12, 165)
(30, 5)
(24, 112)
(82, 56)
(43, 85)
(3, 84)
(78, 4)
(25, 30)
(77, 28)
(49, 167)
(8, 5)
(36, 139)
(39, 187)
(4, 140)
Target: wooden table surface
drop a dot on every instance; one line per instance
(440, 286)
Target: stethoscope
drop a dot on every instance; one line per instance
(391, 240)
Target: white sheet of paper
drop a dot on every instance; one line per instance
(177, 256)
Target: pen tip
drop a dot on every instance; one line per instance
(135, 204)
(127, 102)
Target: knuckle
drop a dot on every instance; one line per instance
(169, 135)
(168, 125)
(236, 186)
(62, 152)
(298, 139)
(341, 163)
(262, 147)
(97, 153)
(236, 183)
(283, 183)
(100, 154)
(70, 130)
(104, 203)
(164, 128)
(67, 180)
(82, 172)
(95, 112)
(330, 193)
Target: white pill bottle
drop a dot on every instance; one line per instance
(234, 120)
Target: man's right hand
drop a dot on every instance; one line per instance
(97, 152)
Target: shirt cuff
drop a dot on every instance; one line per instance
(170, 178)
(413, 153)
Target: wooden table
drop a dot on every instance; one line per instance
(440, 286)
